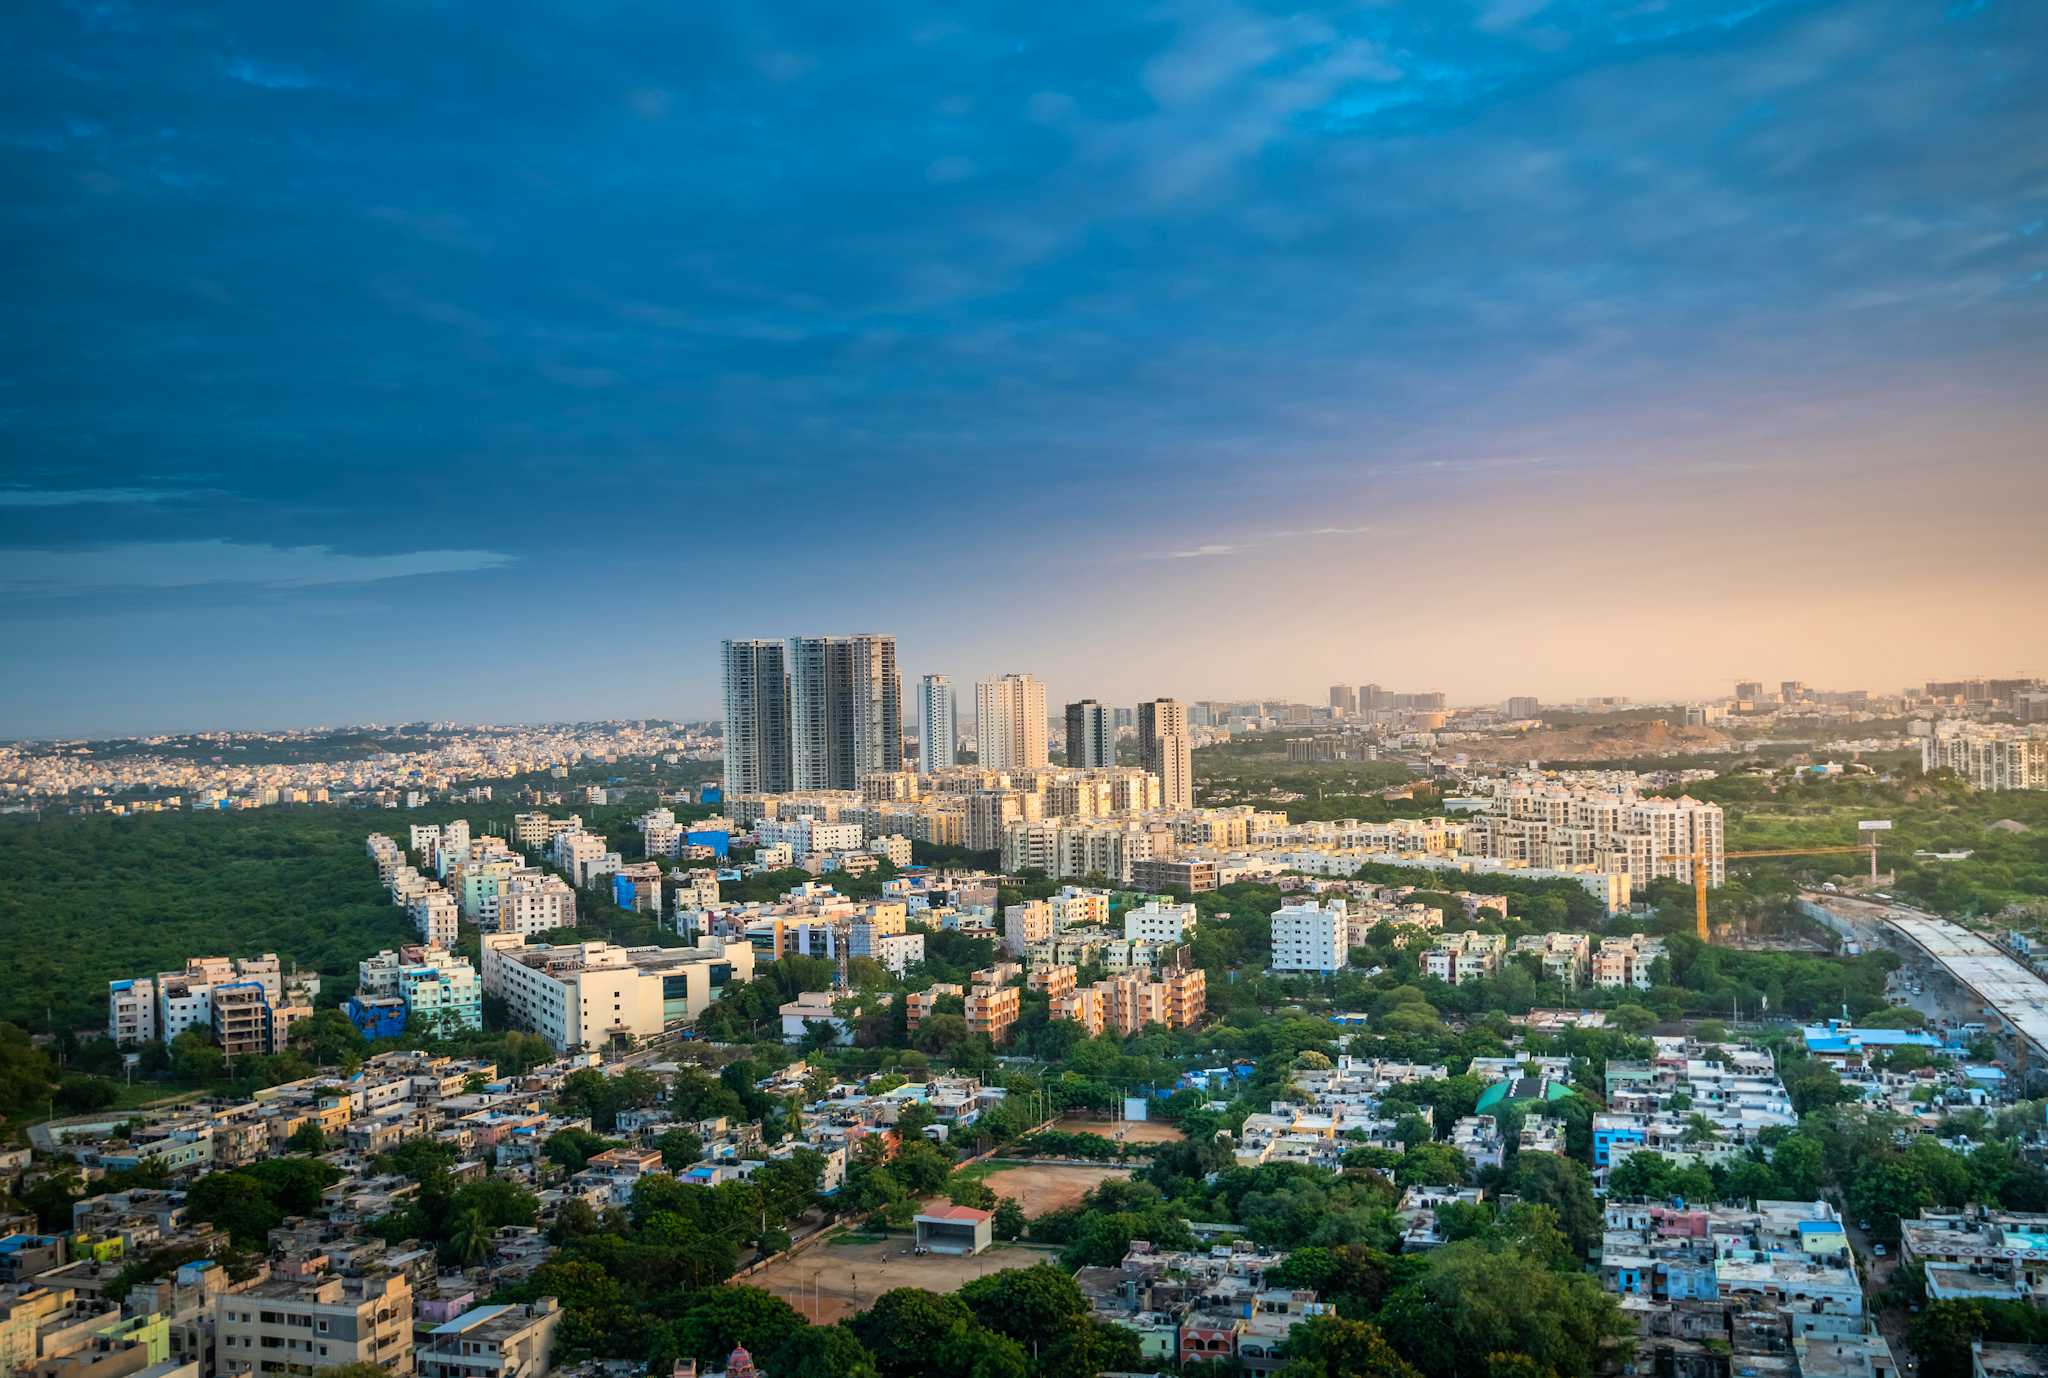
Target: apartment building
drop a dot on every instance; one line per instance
(530, 901)
(1565, 957)
(1025, 925)
(437, 918)
(1126, 1003)
(1052, 979)
(1010, 723)
(131, 1010)
(1192, 875)
(1626, 961)
(1076, 907)
(1989, 756)
(1312, 937)
(1159, 921)
(516, 1341)
(1460, 957)
(586, 995)
(1091, 735)
(807, 835)
(992, 1007)
(938, 728)
(1166, 749)
(289, 1325)
(757, 717)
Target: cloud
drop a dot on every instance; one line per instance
(80, 497)
(197, 564)
(1220, 548)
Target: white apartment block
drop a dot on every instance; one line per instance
(584, 995)
(696, 889)
(808, 835)
(131, 1010)
(1311, 937)
(1026, 924)
(896, 951)
(530, 903)
(1989, 756)
(891, 847)
(584, 857)
(1461, 957)
(1160, 922)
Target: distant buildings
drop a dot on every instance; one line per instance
(1128, 1001)
(415, 987)
(1521, 706)
(938, 728)
(1989, 756)
(1009, 723)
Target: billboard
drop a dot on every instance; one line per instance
(1875, 825)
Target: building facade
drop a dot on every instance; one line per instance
(1167, 751)
(757, 726)
(1091, 735)
(938, 726)
(1009, 723)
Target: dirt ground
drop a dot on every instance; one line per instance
(848, 1277)
(1134, 1131)
(1039, 1189)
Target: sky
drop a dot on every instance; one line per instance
(382, 361)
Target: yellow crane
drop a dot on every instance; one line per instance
(1699, 870)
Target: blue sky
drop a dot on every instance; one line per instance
(390, 360)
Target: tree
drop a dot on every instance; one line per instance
(472, 1237)
(1632, 1019)
(922, 1167)
(1026, 1303)
(906, 1328)
(308, 1138)
(1332, 1347)
(1545, 1179)
(1476, 1299)
(679, 1149)
(1886, 1192)
(719, 1318)
(1429, 1164)
(1009, 1222)
(572, 1149)
(822, 1351)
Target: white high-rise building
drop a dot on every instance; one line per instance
(1166, 749)
(938, 726)
(1311, 937)
(757, 752)
(1009, 722)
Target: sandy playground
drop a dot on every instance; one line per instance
(1134, 1131)
(1042, 1187)
(831, 1280)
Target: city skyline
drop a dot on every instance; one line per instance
(1506, 351)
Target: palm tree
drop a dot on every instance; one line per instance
(472, 1238)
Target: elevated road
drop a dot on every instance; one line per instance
(2004, 984)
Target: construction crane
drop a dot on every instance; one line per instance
(1699, 870)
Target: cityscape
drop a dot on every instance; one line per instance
(1217, 689)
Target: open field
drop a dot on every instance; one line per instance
(1134, 1131)
(1040, 1187)
(832, 1280)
